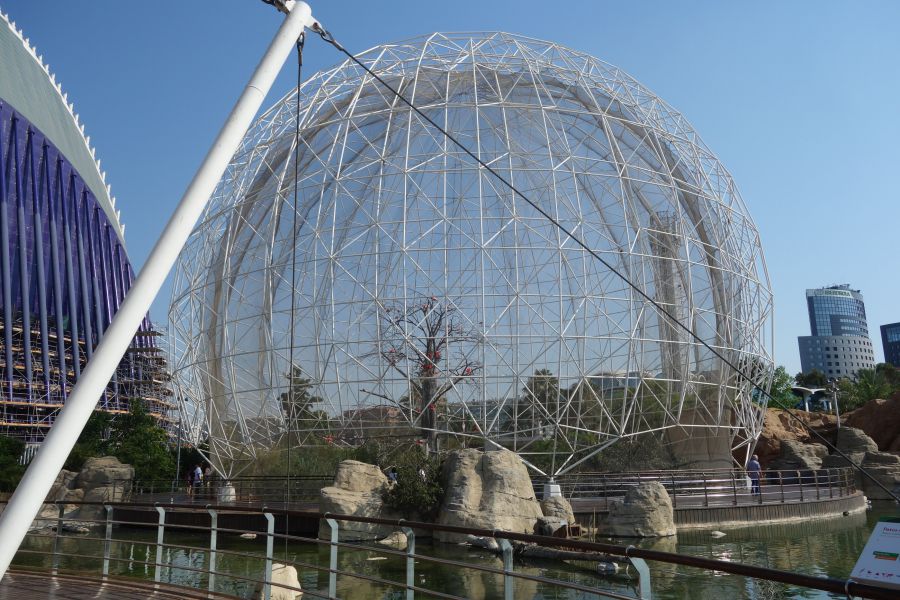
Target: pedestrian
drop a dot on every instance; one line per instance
(207, 480)
(190, 482)
(753, 472)
(198, 478)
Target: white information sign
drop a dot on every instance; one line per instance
(879, 563)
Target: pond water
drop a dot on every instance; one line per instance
(821, 547)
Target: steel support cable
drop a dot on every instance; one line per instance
(329, 38)
(291, 415)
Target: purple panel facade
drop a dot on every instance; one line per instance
(63, 274)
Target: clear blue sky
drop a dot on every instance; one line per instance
(800, 100)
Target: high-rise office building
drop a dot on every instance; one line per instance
(890, 340)
(839, 345)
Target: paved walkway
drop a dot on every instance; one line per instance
(19, 585)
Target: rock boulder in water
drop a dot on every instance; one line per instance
(489, 490)
(357, 491)
(645, 512)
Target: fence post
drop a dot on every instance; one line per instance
(213, 531)
(674, 493)
(59, 525)
(332, 564)
(507, 549)
(781, 485)
(270, 546)
(830, 483)
(106, 540)
(734, 477)
(410, 562)
(705, 491)
(816, 483)
(640, 565)
(800, 481)
(160, 532)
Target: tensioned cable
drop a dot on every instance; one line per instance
(291, 399)
(329, 38)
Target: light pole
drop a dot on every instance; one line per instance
(834, 397)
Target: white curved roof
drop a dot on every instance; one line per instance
(27, 84)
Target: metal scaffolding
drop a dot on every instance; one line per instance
(64, 271)
(431, 304)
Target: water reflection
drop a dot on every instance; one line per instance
(824, 547)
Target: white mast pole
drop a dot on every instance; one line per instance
(25, 503)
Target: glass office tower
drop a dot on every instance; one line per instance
(839, 345)
(890, 340)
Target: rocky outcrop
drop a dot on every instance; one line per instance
(850, 440)
(862, 451)
(284, 577)
(104, 471)
(357, 491)
(880, 419)
(779, 427)
(885, 468)
(796, 455)
(646, 511)
(103, 479)
(549, 525)
(490, 490)
(397, 540)
(558, 507)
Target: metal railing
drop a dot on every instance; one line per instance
(687, 489)
(712, 487)
(241, 490)
(205, 538)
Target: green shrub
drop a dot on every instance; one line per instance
(10, 469)
(414, 495)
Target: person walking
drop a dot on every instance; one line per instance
(196, 480)
(753, 472)
(207, 480)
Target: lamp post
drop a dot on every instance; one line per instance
(834, 397)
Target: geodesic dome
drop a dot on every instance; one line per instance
(432, 304)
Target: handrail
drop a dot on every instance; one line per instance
(827, 584)
(716, 486)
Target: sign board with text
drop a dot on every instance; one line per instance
(879, 563)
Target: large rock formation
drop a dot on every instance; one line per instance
(799, 456)
(357, 491)
(103, 479)
(851, 440)
(885, 468)
(880, 419)
(489, 490)
(645, 512)
(861, 450)
(779, 427)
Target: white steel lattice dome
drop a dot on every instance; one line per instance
(431, 303)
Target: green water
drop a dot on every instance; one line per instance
(821, 547)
